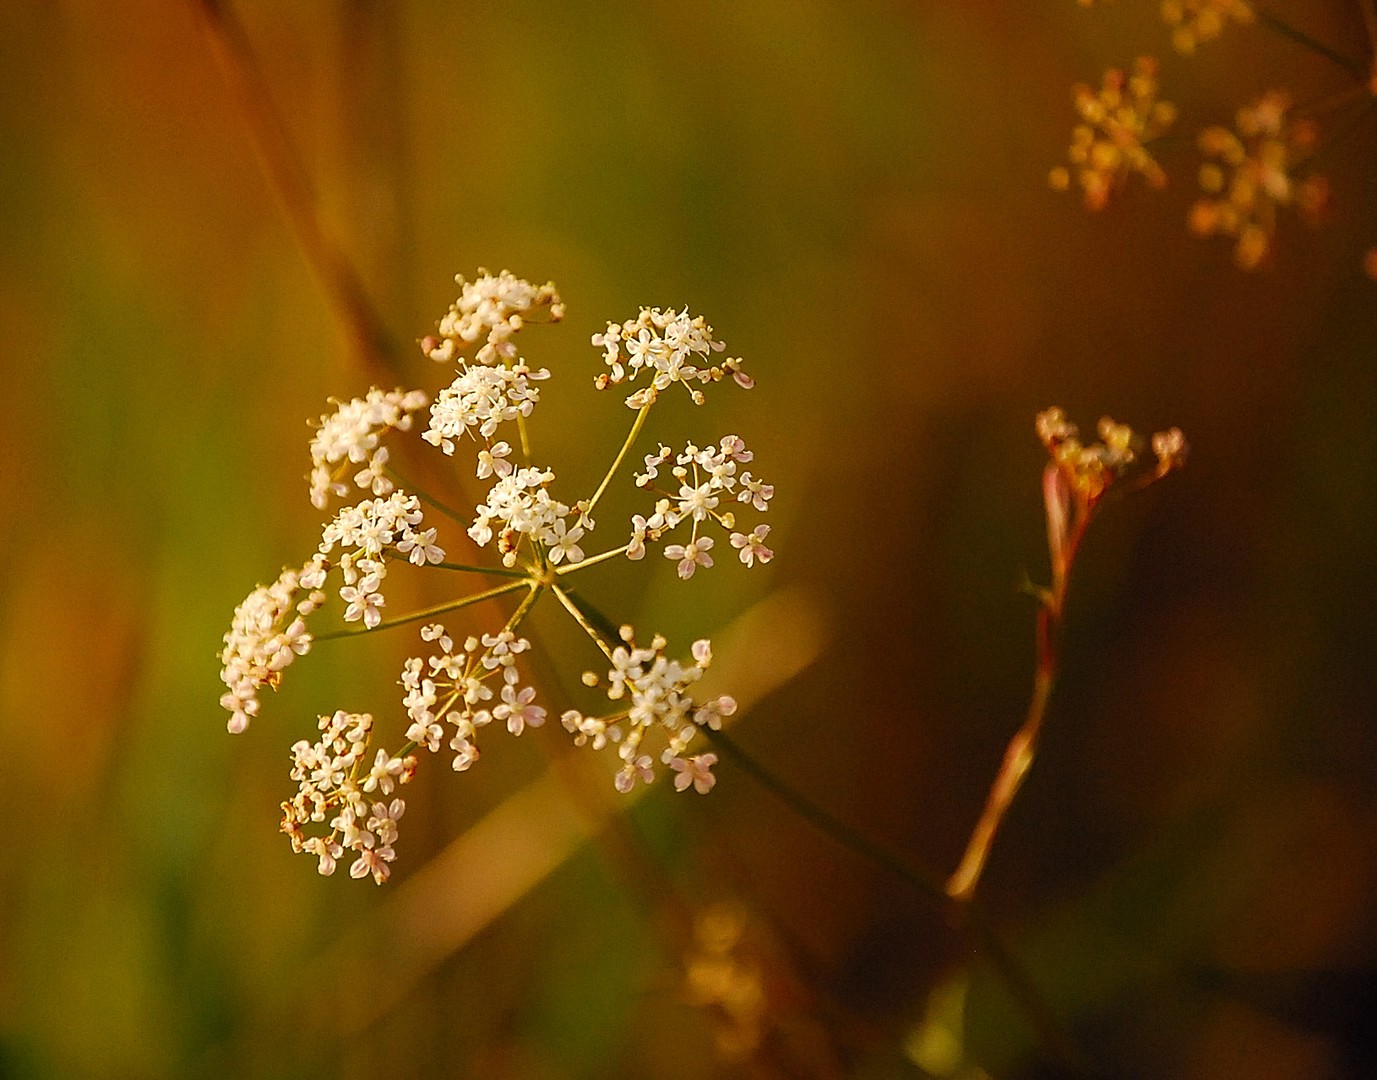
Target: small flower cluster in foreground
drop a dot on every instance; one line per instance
(337, 785)
(1118, 122)
(655, 690)
(268, 632)
(708, 485)
(350, 437)
(453, 686)
(469, 681)
(672, 346)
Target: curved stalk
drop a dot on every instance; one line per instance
(636, 426)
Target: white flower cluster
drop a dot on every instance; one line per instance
(707, 479)
(367, 534)
(657, 690)
(333, 777)
(350, 435)
(344, 801)
(482, 397)
(491, 308)
(453, 685)
(519, 504)
(267, 633)
(671, 345)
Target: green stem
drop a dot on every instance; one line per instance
(525, 435)
(426, 613)
(569, 568)
(582, 620)
(495, 571)
(525, 606)
(636, 426)
(1319, 48)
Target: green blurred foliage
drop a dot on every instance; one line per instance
(855, 196)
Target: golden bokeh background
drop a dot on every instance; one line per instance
(855, 195)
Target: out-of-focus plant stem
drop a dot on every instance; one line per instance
(969, 917)
(1063, 540)
(1300, 37)
(372, 343)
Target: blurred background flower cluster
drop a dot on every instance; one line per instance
(855, 195)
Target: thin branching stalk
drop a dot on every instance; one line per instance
(1279, 26)
(495, 571)
(431, 612)
(569, 568)
(636, 426)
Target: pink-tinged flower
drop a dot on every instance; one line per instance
(697, 771)
(753, 546)
(691, 555)
(517, 710)
(638, 769)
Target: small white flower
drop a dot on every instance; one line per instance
(493, 461)
(755, 492)
(565, 543)
(384, 773)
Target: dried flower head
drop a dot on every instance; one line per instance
(1118, 122)
(1197, 21)
(1250, 172)
(1080, 475)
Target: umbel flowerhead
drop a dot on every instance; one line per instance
(1080, 475)
(346, 806)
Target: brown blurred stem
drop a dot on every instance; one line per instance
(1064, 540)
(287, 176)
(1369, 10)
(970, 918)
(1319, 48)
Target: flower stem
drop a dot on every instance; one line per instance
(426, 613)
(525, 434)
(569, 568)
(425, 496)
(1319, 48)
(583, 621)
(1022, 748)
(495, 571)
(970, 918)
(636, 426)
